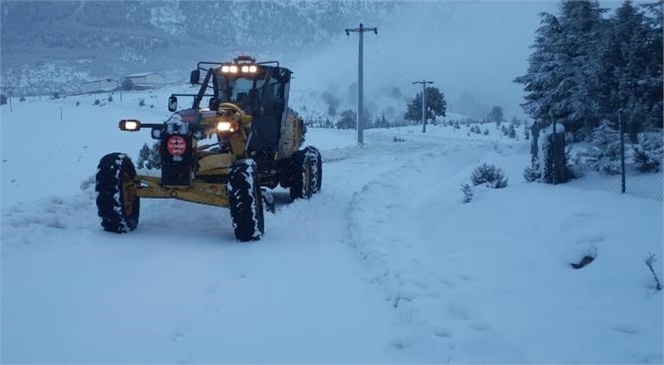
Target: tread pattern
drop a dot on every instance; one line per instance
(116, 216)
(301, 186)
(316, 168)
(245, 201)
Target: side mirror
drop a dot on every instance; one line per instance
(172, 103)
(194, 77)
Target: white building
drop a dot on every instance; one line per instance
(147, 80)
(101, 85)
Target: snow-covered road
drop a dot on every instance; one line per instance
(385, 265)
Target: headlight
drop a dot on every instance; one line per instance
(225, 69)
(130, 125)
(253, 69)
(233, 69)
(227, 127)
(245, 69)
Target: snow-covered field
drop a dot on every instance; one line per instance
(385, 265)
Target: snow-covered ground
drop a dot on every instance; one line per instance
(385, 265)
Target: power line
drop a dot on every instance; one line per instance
(360, 86)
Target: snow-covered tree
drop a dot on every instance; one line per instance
(496, 116)
(436, 106)
(149, 158)
(631, 72)
(547, 82)
(652, 75)
(143, 156)
(580, 25)
(604, 134)
(348, 120)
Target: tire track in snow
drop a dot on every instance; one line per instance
(385, 232)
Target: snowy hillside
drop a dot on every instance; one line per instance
(386, 264)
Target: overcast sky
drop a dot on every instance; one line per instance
(472, 50)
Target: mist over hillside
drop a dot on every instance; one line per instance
(110, 38)
(472, 50)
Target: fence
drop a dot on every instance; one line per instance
(621, 166)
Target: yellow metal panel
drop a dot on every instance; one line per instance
(214, 162)
(197, 192)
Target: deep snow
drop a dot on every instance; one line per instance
(386, 264)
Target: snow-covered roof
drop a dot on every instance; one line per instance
(142, 74)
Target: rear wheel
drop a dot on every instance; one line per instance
(302, 172)
(245, 200)
(118, 205)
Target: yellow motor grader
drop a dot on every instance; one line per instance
(255, 142)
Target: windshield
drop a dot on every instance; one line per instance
(246, 91)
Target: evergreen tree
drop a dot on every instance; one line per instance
(604, 134)
(581, 26)
(154, 160)
(495, 116)
(436, 106)
(143, 156)
(347, 120)
(547, 82)
(652, 75)
(511, 131)
(381, 122)
(631, 57)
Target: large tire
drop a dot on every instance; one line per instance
(118, 205)
(302, 176)
(317, 168)
(246, 203)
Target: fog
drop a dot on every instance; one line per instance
(472, 50)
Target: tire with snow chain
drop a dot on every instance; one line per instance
(317, 168)
(245, 201)
(118, 206)
(302, 175)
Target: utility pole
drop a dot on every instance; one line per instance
(424, 103)
(360, 80)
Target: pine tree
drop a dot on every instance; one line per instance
(347, 120)
(635, 69)
(495, 116)
(652, 75)
(436, 106)
(605, 134)
(154, 160)
(143, 156)
(511, 131)
(546, 83)
(581, 26)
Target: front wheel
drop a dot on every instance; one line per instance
(118, 205)
(245, 201)
(316, 168)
